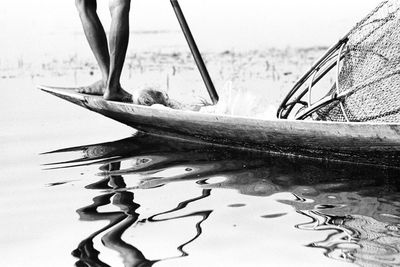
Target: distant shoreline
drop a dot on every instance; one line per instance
(177, 58)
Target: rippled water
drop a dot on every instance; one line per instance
(166, 202)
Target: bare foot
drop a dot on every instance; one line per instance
(97, 88)
(119, 95)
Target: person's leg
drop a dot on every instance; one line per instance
(118, 42)
(97, 39)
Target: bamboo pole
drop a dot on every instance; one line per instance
(195, 52)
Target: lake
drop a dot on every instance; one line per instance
(79, 189)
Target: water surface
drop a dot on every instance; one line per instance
(166, 202)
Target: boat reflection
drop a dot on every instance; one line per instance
(358, 206)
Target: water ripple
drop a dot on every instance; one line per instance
(357, 209)
(355, 238)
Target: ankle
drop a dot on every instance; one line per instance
(113, 85)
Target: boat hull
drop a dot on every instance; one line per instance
(364, 143)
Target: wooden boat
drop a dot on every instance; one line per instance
(363, 143)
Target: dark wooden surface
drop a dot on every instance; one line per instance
(377, 144)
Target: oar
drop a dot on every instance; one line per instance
(195, 52)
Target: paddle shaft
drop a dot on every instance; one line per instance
(195, 52)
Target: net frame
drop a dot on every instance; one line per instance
(334, 58)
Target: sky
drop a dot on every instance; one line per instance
(215, 23)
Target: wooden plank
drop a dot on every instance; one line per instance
(360, 142)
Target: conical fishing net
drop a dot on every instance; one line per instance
(367, 65)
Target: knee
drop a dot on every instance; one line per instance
(120, 6)
(86, 5)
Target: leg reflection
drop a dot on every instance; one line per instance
(113, 239)
(118, 223)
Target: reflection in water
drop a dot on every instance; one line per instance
(203, 214)
(358, 207)
(357, 238)
(119, 222)
(122, 220)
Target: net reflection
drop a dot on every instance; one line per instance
(357, 206)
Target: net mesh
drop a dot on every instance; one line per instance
(370, 70)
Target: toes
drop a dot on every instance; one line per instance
(95, 89)
(125, 98)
